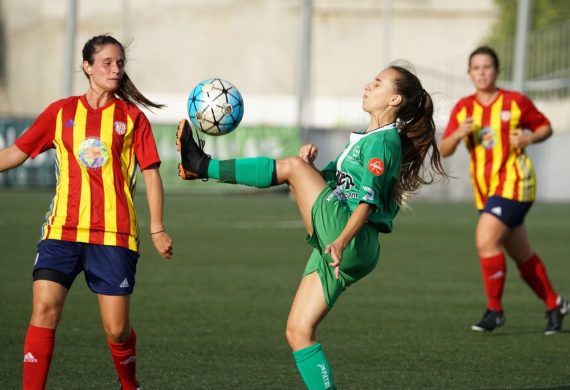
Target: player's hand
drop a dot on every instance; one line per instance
(519, 139)
(163, 244)
(465, 128)
(335, 251)
(309, 153)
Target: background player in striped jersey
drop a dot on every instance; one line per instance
(345, 205)
(100, 138)
(492, 122)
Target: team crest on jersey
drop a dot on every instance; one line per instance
(120, 127)
(354, 155)
(344, 180)
(93, 153)
(486, 137)
(376, 166)
(505, 116)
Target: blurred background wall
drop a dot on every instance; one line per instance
(301, 66)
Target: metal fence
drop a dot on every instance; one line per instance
(38, 172)
(547, 62)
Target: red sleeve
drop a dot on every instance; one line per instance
(452, 125)
(39, 136)
(530, 118)
(145, 146)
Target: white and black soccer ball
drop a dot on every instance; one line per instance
(215, 106)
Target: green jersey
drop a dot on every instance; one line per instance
(367, 171)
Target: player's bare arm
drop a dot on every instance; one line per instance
(519, 138)
(155, 197)
(11, 157)
(448, 145)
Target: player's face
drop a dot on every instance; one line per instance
(108, 68)
(379, 93)
(483, 72)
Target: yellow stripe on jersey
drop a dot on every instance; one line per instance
(79, 134)
(527, 183)
(510, 165)
(495, 123)
(510, 177)
(110, 200)
(480, 155)
(62, 186)
(129, 175)
(461, 117)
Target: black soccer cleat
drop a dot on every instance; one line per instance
(555, 316)
(139, 387)
(193, 161)
(491, 320)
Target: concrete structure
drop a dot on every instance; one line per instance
(256, 44)
(253, 43)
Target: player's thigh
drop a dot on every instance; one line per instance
(305, 183)
(518, 245)
(115, 316)
(490, 234)
(47, 303)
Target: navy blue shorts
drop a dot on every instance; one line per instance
(510, 212)
(109, 270)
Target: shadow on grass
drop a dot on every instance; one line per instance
(519, 333)
(532, 388)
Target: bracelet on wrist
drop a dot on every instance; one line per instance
(160, 231)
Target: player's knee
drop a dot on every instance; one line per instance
(297, 335)
(117, 334)
(45, 315)
(290, 165)
(297, 163)
(487, 243)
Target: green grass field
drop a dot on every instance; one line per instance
(214, 316)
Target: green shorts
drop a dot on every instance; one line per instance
(329, 217)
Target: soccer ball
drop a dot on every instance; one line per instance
(215, 106)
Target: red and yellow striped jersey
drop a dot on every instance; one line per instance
(97, 152)
(496, 167)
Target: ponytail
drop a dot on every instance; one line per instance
(129, 92)
(418, 136)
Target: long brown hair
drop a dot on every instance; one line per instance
(418, 136)
(127, 90)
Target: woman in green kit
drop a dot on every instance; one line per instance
(345, 205)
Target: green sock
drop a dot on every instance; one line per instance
(314, 367)
(257, 171)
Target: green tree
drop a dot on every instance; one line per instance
(548, 51)
(543, 15)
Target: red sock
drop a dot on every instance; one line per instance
(124, 358)
(494, 270)
(534, 274)
(38, 349)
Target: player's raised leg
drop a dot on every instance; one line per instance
(260, 172)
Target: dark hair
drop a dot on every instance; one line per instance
(417, 133)
(127, 90)
(487, 51)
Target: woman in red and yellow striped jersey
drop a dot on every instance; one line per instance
(496, 126)
(100, 139)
